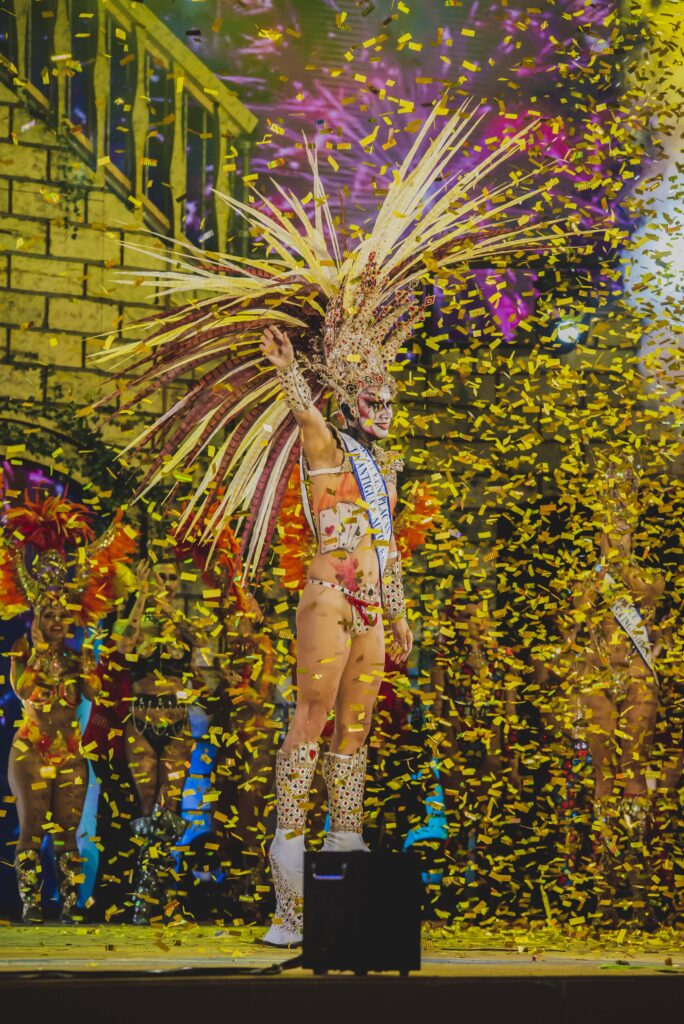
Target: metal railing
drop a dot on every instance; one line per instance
(150, 119)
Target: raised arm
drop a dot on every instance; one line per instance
(130, 635)
(317, 438)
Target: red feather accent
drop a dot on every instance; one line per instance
(295, 546)
(103, 586)
(280, 489)
(416, 520)
(14, 600)
(55, 524)
(222, 566)
(50, 524)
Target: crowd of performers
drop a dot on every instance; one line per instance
(280, 337)
(534, 782)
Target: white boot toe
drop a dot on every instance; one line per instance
(344, 842)
(279, 935)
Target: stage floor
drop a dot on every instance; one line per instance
(447, 952)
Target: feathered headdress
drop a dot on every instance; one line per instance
(37, 540)
(347, 313)
(50, 524)
(217, 559)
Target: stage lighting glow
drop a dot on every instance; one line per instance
(569, 333)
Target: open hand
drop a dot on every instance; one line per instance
(38, 641)
(277, 347)
(142, 577)
(403, 641)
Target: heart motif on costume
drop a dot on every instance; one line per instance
(329, 530)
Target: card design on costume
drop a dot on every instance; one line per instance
(341, 528)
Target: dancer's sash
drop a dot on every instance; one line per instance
(374, 495)
(628, 617)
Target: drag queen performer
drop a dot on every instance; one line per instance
(341, 641)
(48, 774)
(330, 319)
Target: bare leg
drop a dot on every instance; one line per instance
(142, 762)
(668, 847)
(358, 691)
(672, 771)
(167, 824)
(68, 798)
(344, 766)
(637, 723)
(32, 804)
(602, 719)
(323, 648)
(32, 807)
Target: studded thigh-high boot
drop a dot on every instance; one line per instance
(30, 880)
(145, 881)
(636, 822)
(294, 773)
(70, 876)
(345, 777)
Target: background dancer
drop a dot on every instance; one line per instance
(618, 685)
(47, 771)
(161, 646)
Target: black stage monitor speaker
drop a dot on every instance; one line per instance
(361, 912)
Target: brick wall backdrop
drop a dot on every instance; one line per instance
(57, 283)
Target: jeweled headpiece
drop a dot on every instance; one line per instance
(361, 344)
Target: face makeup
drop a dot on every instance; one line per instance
(375, 412)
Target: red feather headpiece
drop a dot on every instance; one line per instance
(51, 524)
